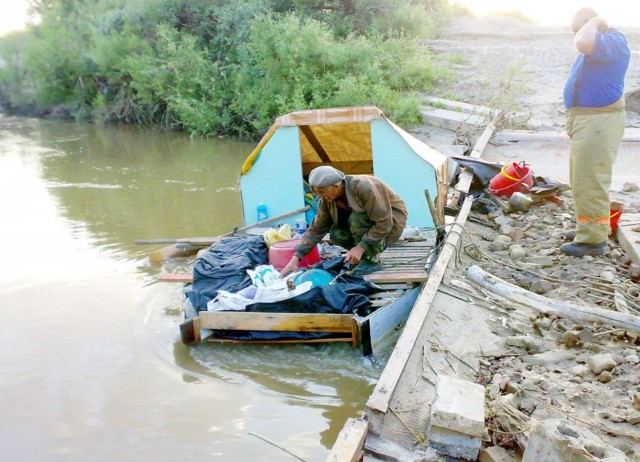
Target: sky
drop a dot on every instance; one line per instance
(548, 12)
(14, 16)
(559, 12)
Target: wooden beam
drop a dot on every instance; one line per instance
(466, 177)
(352, 167)
(378, 402)
(381, 277)
(315, 143)
(287, 322)
(349, 447)
(184, 278)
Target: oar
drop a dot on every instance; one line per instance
(188, 246)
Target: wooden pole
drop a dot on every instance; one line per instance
(546, 305)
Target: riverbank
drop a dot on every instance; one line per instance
(547, 366)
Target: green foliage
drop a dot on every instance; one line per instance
(218, 67)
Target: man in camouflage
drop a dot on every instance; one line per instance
(361, 213)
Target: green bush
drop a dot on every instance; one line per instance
(218, 67)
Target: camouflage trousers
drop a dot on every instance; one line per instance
(349, 237)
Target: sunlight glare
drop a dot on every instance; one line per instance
(554, 12)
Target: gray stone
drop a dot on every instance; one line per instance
(602, 362)
(516, 252)
(458, 405)
(632, 359)
(555, 440)
(531, 344)
(541, 286)
(502, 220)
(454, 444)
(496, 454)
(605, 377)
(550, 357)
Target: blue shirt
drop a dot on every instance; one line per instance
(598, 80)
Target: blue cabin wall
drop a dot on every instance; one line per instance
(408, 174)
(275, 179)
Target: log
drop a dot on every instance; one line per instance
(546, 305)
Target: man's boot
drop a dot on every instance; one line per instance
(574, 249)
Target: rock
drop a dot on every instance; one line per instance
(608, 276)
(496, 454)
(550, 358)
(571, 339)
(531, 344)
(542, 262)
(636, 400)
(555, 440)
(605, 377)
(632, 359)
(458, 405)
(505, 229)
(456, 424)
(516, 234)
(541, 286)
(629, 187)
(516, 252)
(579, 371)
(502, 220)
(504, 241)
(602, 362)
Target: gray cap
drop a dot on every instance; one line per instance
(325, 176)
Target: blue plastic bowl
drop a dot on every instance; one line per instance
(317, 277)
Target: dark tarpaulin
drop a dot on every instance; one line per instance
(224, 267)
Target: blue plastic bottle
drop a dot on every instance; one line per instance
(262, 211)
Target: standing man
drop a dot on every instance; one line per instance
(362, 214)
(594, 98)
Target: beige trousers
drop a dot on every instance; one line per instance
(595, 137)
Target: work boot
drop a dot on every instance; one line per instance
(575, 249)
(367, 267)
(570, 235)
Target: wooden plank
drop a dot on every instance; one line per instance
(315, 143)
(378, 402)
(184, 278)
(459, 106)
(381, 277)
(288, 322)
(349, 447)
(362, 167)
(333, 339)
(377, 278)
(465, 178)
(631, 135)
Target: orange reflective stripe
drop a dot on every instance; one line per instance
(593, 220)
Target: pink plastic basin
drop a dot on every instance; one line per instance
(281, 252)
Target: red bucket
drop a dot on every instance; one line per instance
(511, 179)
(281, 252)
(614, 215)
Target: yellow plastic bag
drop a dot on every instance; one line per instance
(273, 235)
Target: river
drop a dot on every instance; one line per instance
(91, 364)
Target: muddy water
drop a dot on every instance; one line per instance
(91, 366)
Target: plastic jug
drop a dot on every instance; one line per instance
(262, 211)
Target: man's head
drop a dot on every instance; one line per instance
(582, 16)
(327, 182)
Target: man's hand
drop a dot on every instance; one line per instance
(291, 267)
(354, 255)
